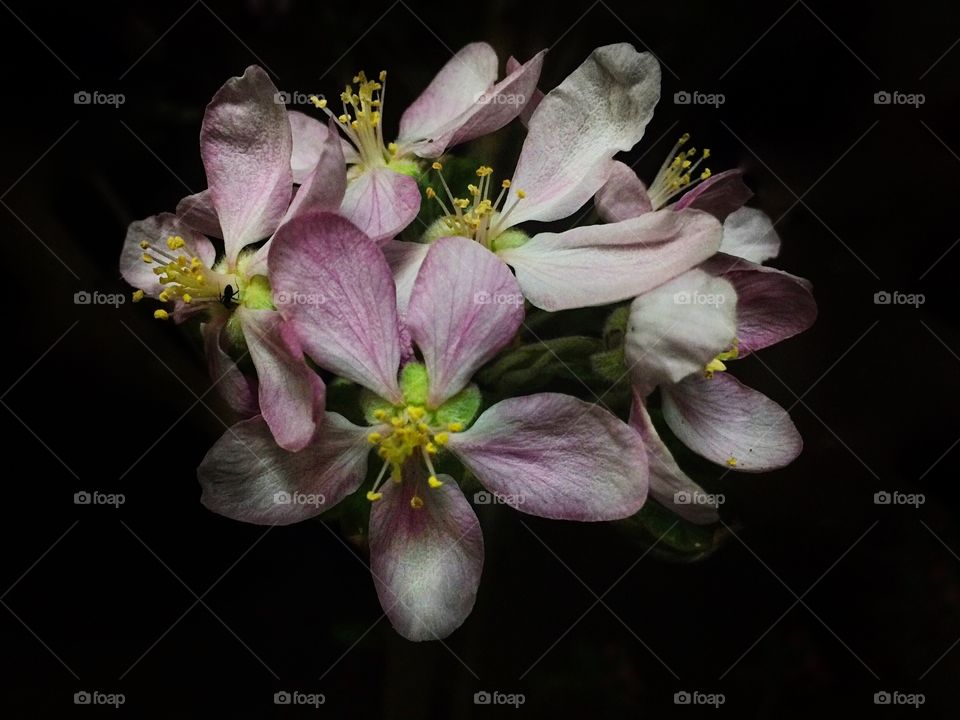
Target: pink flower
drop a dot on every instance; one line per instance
(600, 109)
(552, 455)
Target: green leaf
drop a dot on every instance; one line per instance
(671, 537)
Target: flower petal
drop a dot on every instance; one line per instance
(405, 259)
(465, 306)
(730, 424)
(465, 77)
(292, 396)
(334, 285)
(197, 211)
(600, 109)
(426, 562)
(669, 485)
(381, 202)
(246, 476)
(602, 264)
(718, 195)
(309, 136)
(323, 186)
(749, 234)
(558, 457)
(676, 329)
(238, 390)
(155, 230)
(489, 112)
(246, 146)
(623, 196)
(533, 101)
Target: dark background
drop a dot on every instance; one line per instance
(189, 614)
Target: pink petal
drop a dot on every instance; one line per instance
(465, 77)
(156, 230)
(771, 306)
(309, 137)
(292, 395)
(197, 211)
(405, 259)
(600, 109)
(426, 562)
(246, 476)
(381, 202)
(533, 101)
(667, 480)
(323, 186)
(556, 456)
(602, 264)
(491, 111)
(676, 329)
(238, 390)
(623, 196)
(246, 146)
(334, 285)
(465, 306)
(719, 195)
(722, 419)
(749, 234)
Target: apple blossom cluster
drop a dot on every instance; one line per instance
(366, 309)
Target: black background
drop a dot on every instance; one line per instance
(865, 195)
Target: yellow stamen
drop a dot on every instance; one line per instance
(434, 482)
(374, 496)
(137, 295)
(416, 502)
(161, 314)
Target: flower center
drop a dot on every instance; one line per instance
(676, 174)
(476, 217)
(406, 432)
(360, 120)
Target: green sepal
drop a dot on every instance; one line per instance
(414, 383)
(462, 408)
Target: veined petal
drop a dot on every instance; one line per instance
(623, 196)
(719, 195)
(238, 390)
(246, 476)
(669, 485)
(602, 264)
(676, 329)
(323, 185)
(334, 285)
(533, 101)
(381, 202)
(749, 234)
(465, 306)
(156, 230)
(489, 112)
(465, 77)
(292, 396)
(405, 259)
(246, 146)
(197, 211)
(558, 457)
(600, 109)
(426, 562)
(730, 424)
(309, 136)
